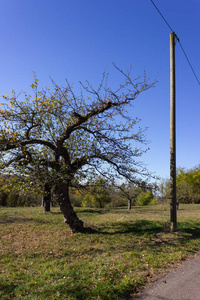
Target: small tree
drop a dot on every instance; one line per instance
(130, 192)
(72, 136)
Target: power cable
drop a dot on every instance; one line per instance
(189, 62)
(162, 16)
(178, 41)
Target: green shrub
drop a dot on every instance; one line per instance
(144, 198)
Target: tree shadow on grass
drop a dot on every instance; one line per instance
(193, 230)
(7, 289)
(92, 211)
(16, 220)
(139, 228)
(85, 211)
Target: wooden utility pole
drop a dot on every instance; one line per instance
(173, 209)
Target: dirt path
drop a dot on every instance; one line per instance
(182, 283)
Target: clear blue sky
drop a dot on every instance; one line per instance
(77, 39)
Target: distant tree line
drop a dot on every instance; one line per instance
(98, 194)
(188, 186)
(13, 194)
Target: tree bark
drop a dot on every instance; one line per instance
(4, 200)
(129, 204)
(70, 217)
(47, 206)
(47, 198)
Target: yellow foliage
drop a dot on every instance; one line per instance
(77, 192)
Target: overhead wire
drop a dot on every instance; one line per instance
(162, 16)
(189, 62)
(178, 41)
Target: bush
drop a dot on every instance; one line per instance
(154, 201)
(144, 198)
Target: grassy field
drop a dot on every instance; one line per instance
(41, 259)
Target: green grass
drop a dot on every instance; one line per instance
(41, 259)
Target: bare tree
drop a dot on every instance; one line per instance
(69, 138)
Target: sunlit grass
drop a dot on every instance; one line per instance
(41, 259)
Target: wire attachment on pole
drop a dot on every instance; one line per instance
(178, 41)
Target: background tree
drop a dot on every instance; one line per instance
(138, 193)
(188, 186)
(73, 136)
(47, 197)
(97, 194)
(3, 194)
(129, 192)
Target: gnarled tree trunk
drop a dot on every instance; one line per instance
(70, 217)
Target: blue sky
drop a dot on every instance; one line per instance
(78, 39)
